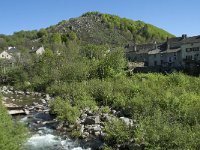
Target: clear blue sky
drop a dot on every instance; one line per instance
(175, 16)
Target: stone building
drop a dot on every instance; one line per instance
(5, 55)
(174, 53)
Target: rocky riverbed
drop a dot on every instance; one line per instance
(49, 133)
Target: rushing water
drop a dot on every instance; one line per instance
(44, 137)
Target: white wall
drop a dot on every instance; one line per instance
(5, 55)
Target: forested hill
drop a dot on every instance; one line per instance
(98, 28)
(90, 28)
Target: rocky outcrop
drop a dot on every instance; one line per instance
(14, 101)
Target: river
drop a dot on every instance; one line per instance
(45, 137)
(43, 133)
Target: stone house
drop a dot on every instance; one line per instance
(138, 53)
(174, 53)
(5, 55)
(38, 51)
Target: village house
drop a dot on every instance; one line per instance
(5, 55)
(38, 51)
(174, 53)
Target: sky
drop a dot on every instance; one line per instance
(175, 16)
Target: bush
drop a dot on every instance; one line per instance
(157, 132)
(117, 132)
(12, 135)
(64, 110)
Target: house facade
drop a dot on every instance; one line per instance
(174, 53)
(5, 55)
(38, 51)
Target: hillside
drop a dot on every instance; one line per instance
(90, 28)
(98, 28)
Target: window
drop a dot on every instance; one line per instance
(189, 57)
(192, 49)
(155, 63)
(196, 56)
(170, 59)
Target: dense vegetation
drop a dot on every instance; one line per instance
(165, 108)
(12, 134)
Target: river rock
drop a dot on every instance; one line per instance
(60, 126)
(47, 97)
(4, 88)
(43, 101)
(27, 112)
(97, 128)
(86, 135)
(16, 112)
(97, 133)
(89, 113)
(127, 121)
(82, 129)
(92, 120)
(106, 117)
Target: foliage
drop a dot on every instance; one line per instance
(65, 111)
(12, 134)
(117, 132)
(82, 71)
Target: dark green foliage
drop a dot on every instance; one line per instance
(167, 116)
(65, 111)
(12, 134)
(117, 132)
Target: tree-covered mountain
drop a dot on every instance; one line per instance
(98, 28)
(90, 28)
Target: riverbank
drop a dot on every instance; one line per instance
(88, 130)
(35, 114)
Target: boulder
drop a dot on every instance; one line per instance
(127, 121)
(89, 113)
(4, 88)
(16, 112)
(47, 97)
(43, 101)
(86, 135)
(92, 120)
(27, 112)
(97, 133)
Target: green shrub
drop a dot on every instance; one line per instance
(159, 132)
(64, 110)
(12, 135)
(117, 132)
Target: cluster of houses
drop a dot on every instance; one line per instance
(177, 52)
(12, 53)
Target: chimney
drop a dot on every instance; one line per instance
(155, 43)
(168, 46)
(135, 48)
(184, 36)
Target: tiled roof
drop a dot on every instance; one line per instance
(171, 50)
(155, 51)
(140, 49)
(171, 45)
